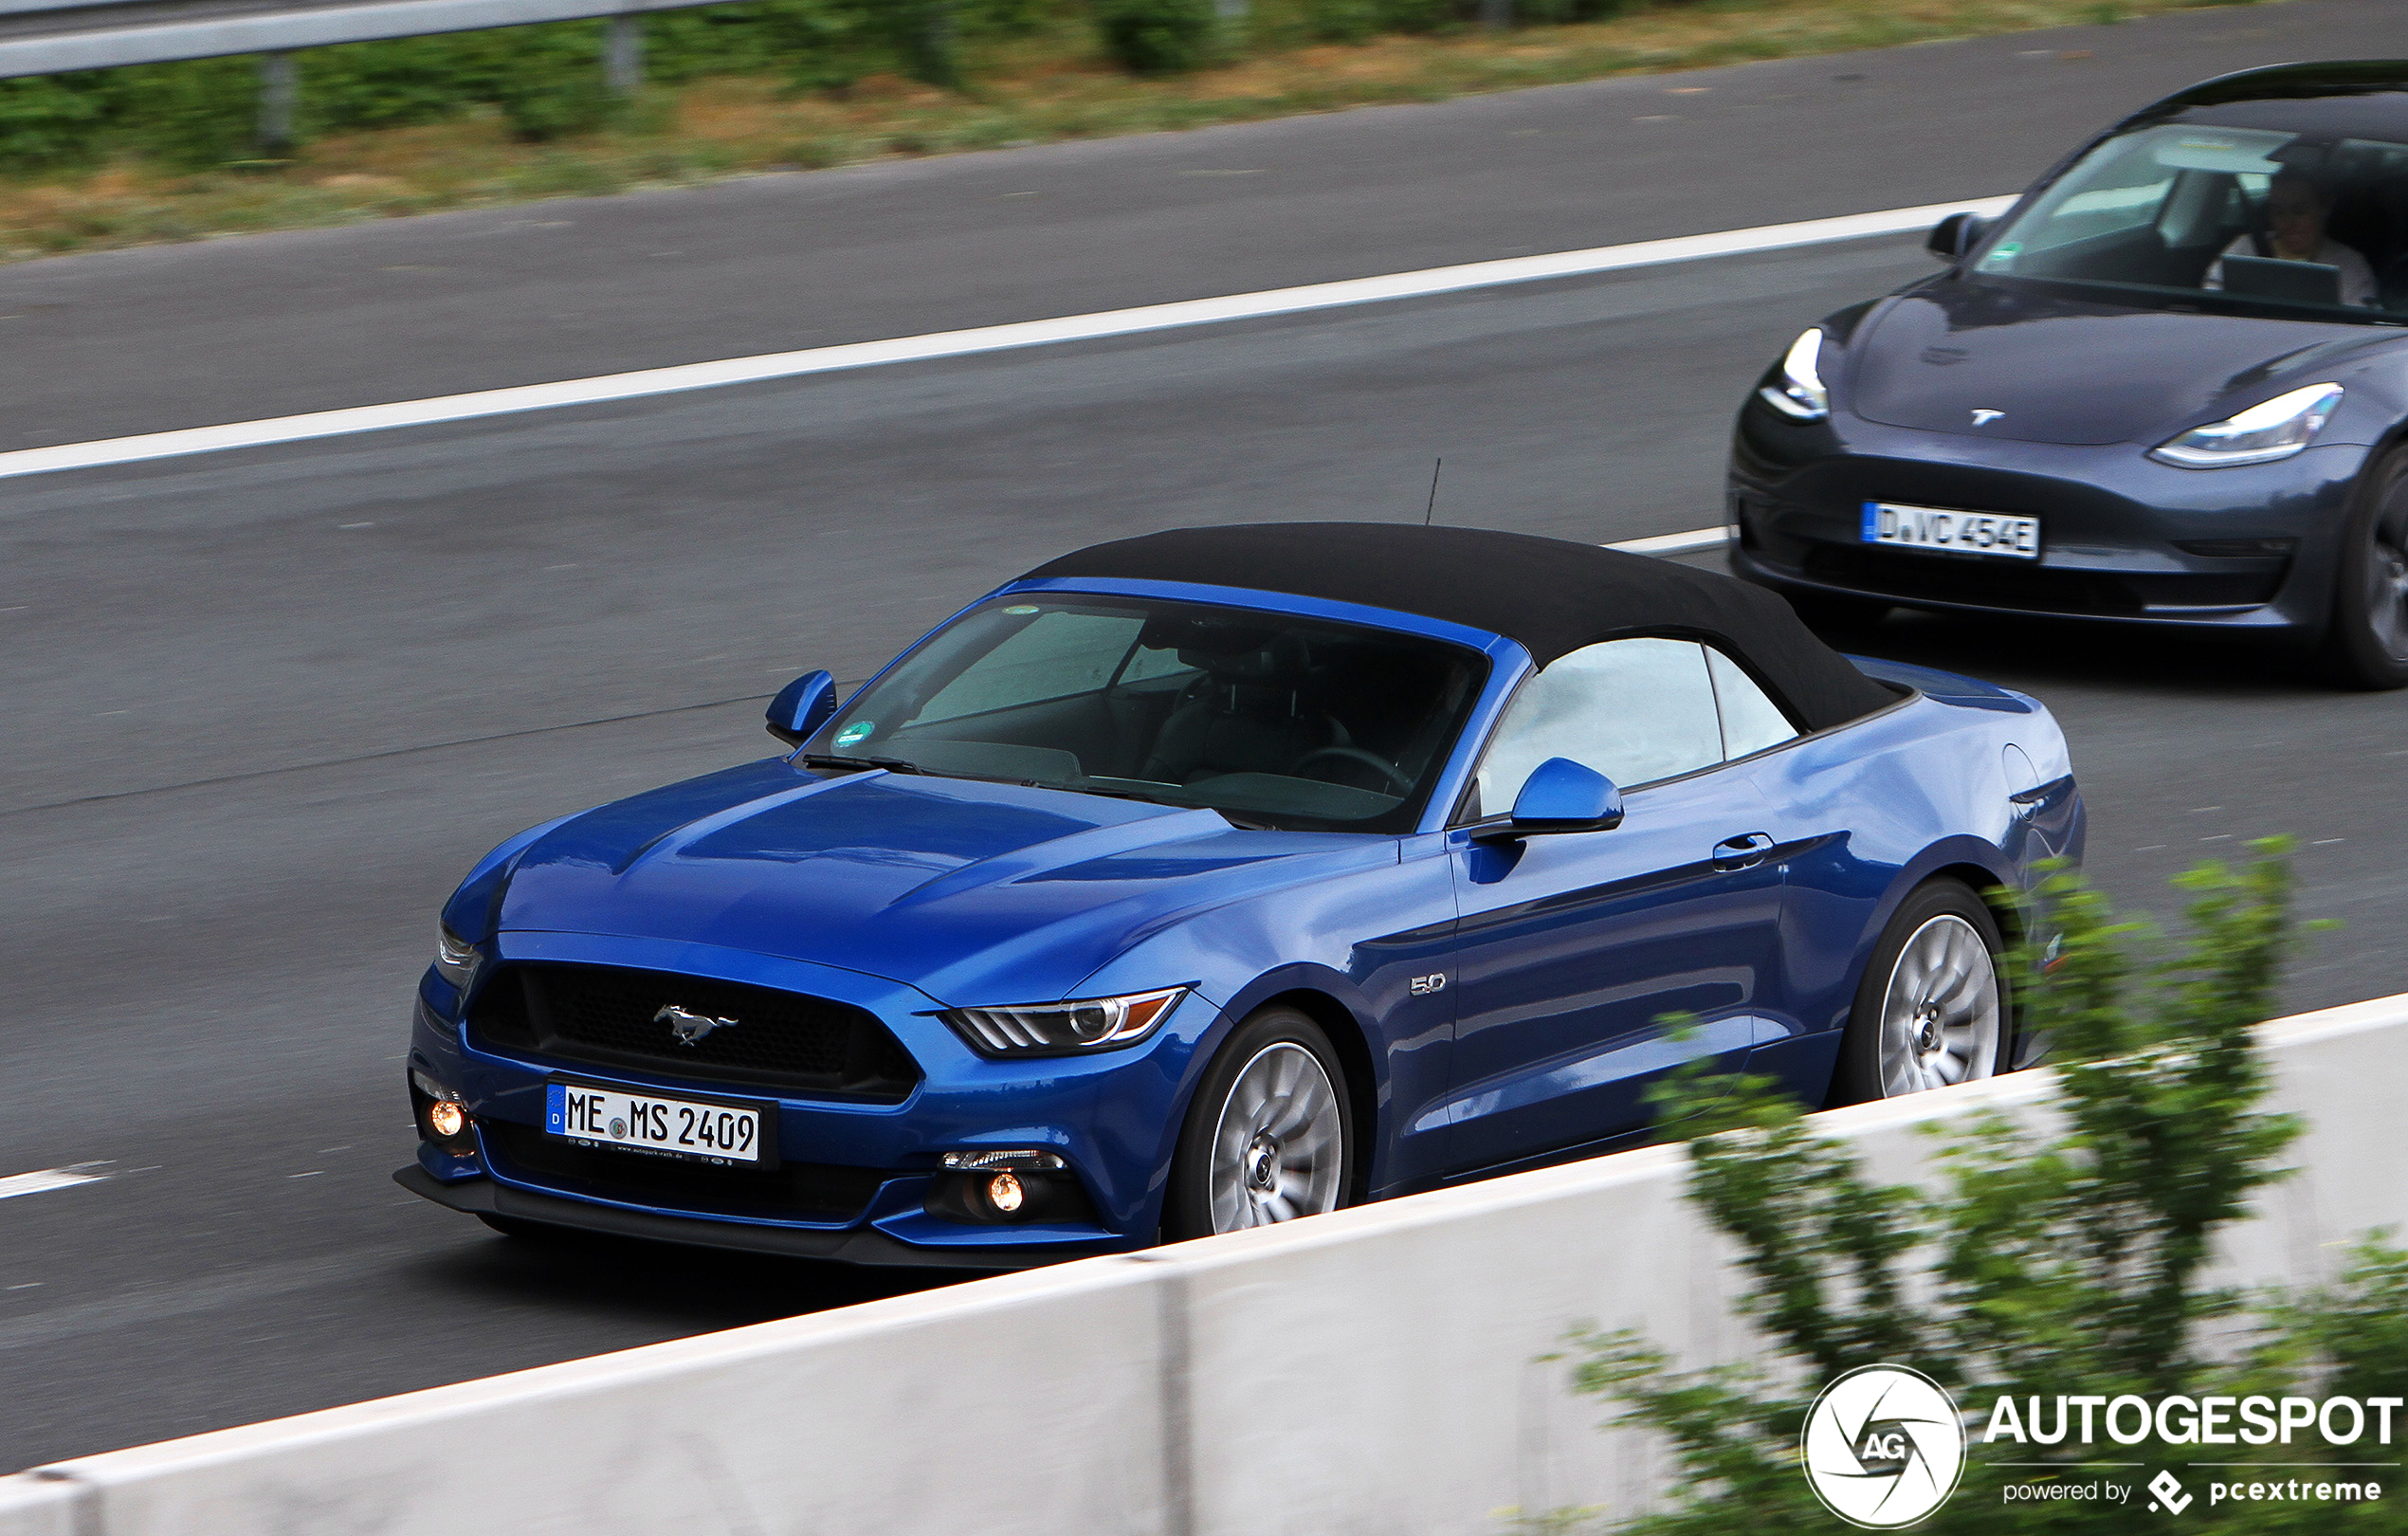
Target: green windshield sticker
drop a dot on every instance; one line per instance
(858, 731)
(1021, 607)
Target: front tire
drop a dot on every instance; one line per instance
(1269, 1136)
(2366, 639)
(1932, 1007)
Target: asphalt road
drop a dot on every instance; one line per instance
(264, 707)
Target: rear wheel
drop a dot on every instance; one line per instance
(1269, 1136)
(2367, 643)
(1932, 1007)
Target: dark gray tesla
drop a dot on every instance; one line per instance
(2169, 387)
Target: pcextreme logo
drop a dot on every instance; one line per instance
(1884, 1447)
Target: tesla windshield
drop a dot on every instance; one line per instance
(1274, 720)
(2252, 219)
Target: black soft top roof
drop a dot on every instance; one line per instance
(1552, 595)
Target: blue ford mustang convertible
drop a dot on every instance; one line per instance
(1224, 876)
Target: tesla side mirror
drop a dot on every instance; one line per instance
(1562, 795)
(1954, 237)
(802, 706)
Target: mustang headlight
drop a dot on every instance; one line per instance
(1060, 1029)
(455, 957)
(1798, 391)
(2261, 434)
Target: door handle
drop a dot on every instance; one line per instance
(1744, 851)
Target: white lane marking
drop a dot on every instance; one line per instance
(34, 1183)
(1679, 543)
(775, 365)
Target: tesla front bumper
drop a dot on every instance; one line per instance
(2123, 537)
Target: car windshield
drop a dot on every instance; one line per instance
(2244, 220)
(1274, 720)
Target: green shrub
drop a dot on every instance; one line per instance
(46, 122)
(1345, 21)
(1157, 37)
(2069, 1261)
(184, 114)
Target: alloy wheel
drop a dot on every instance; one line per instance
(1279, 1149)
(1940, 1015)
(2387, 580)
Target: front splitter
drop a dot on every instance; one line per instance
(860, 1245)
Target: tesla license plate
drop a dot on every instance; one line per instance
(682, 1127)
(1944, 528)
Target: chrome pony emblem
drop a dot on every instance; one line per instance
(1984, 418)
(691, 1028)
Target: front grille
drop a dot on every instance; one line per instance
(605, 1017)
(797, 1191)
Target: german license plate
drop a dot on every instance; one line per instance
(681, 1128)
(1946, 528)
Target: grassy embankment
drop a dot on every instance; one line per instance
(1053, 84)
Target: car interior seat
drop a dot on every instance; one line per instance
(1248, 713)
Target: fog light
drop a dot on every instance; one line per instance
(442, 1118)
(1004, 1192)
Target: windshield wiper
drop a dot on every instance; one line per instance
(893, 765)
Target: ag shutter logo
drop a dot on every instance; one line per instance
(1883, 1447)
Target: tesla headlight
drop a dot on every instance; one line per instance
(1798, 391)
(455, 957)
(1060, 1029)
(2261, 434)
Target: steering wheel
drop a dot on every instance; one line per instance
(1377, 764)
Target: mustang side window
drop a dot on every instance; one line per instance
(1634, 710)
(1751, 721)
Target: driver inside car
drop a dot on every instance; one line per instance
(2297, 207)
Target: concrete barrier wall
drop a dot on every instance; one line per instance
(1374, 1371)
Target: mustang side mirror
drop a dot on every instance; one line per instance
(802, 706)
(1955, 236)
(1562, 795)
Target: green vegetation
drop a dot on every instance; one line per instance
(2045, 1264)
(168, 151)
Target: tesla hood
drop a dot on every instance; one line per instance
(2040, 368)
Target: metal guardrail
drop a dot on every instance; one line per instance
(50, 37)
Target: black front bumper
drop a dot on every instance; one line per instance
(860, 1245)
(2123, 538)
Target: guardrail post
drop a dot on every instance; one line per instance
(278, 89)
(622, 54)
(1231, 11)
(1496, 14)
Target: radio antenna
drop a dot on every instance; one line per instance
(1428, 511)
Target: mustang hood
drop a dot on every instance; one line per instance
(2064, 372)
(953, 885)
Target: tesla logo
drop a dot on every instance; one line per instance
(691, 1028)
(1984, 418)
(1424, 986)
